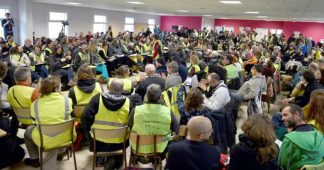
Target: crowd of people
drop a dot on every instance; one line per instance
(194, 79)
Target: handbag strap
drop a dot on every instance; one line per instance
(13, 92)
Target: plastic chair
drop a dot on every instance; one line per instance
(54, 130)
(109, 134)
(313, 167)
(140, 140)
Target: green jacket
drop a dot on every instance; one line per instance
(301, 148)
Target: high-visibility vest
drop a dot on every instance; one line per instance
(52, 109)
(35, 57)
(128, 87)
(85, 58)
(107, 119)
(170, 99)
(105, 53)
(20, 97)
(48, 50)
(147, 49)
(231, 72)
(152, 119)
(83, 98)
(197, 68)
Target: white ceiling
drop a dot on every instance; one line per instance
(283, 10)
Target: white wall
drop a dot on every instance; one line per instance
(12, 5)
(81, 19)
(207, 22)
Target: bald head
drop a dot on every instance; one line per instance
(116, 86)
(150, 69)
(199, 128)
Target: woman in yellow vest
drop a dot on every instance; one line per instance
(123, 74)
(194, 68)
(315, 114)
(38, 62)
(86, 86)
(51, 108)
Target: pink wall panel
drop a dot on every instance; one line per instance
(166, 22)
(314, 30)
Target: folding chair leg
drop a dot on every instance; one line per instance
(125, 160)
(94, 164)
(41, 159)
(74, 158)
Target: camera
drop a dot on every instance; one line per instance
(64, 23)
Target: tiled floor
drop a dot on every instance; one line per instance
(84, 157)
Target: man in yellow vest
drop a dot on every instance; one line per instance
(153, 118)
(107, 111)
(22, 94)
(232, 72)
(83, 57)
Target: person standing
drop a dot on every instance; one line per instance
(7, 25)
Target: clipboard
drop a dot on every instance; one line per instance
(67, 66)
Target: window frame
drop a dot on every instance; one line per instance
(57, 21)
(102, 23)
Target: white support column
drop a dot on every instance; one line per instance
(25, 20)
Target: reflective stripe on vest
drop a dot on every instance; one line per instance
(83, 98)
(85, 58)
(152, 119)
(49, 50)
(107, 119)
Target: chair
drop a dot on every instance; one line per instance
(313, 167)
(140, 140)
(77, 112)
(109, 134)
(23, 116)
(54, 130)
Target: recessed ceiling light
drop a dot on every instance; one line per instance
(251, 12)
(262, 16)
(179, 10)
(231, 2)
(207, 15)
(73, 3)
(135, 2)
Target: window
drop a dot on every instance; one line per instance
(129, 24)
(2, 16)
(99, 24)
(151, 23)
(55, 25)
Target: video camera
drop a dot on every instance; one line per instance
(65, 23)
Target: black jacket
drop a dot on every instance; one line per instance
(112, 102)
(192, 155)
(86, 86)
(243, 157)
(303, 100)
(141, 89)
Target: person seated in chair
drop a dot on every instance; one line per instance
(51, 108)
(194, 152)
(159, 119)
(107, 111)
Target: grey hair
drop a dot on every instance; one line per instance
(173, 67)
(116, 86)
(153, 93)
(22, 73)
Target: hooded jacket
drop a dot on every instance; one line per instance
(301, 148)
(86, 86)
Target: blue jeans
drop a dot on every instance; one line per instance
(67, 74)
(41, 71)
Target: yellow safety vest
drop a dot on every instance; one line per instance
(105, 52)
(20, 97)
(197, 68)
(48, 50)
(85, 58)
(107, 119)
(231, 72)
(147, 49)
(52, 109)
(170, 99)
(35, 58)
(83, 98)
(128, 86)
(152, 119)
